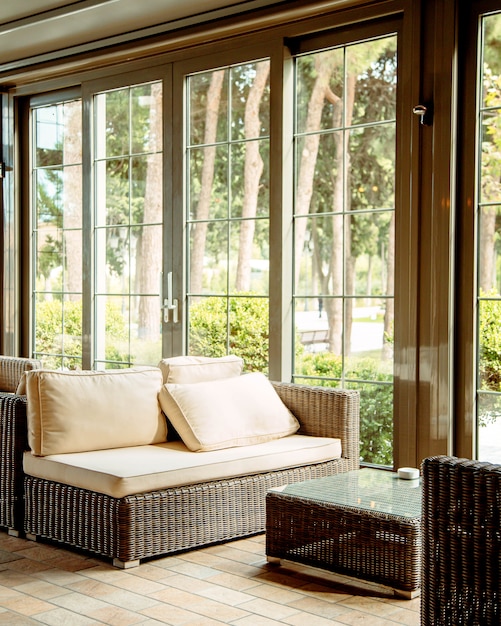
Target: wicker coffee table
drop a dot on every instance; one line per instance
(364, 523)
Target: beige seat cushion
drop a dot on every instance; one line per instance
(199, 369)
(127, 471)
(238, 411)
(80, 411)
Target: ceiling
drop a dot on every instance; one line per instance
(37, 28)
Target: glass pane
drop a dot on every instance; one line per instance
(146, 317)
(250, 163)
(489, 251)
(489, 427)
(72, 143)
(249, 332)
(113, 252)
(319, 173)
(208, 106)
(319, 261)
(72, 269)
(369, 345)
(112, 315)
(146, 119)
(209, 257)
(372, 167)
(371, 254)
(58, 337)
(208, 328)
(312, 333)
(71, 195)
(249, 262)
(250, 100)
(49, 260)
(117, 122)
(490, 189)
(372, 77)
(57, 235)
(146, 189)
(49, 133)
(490, 344)
(49, 203)
(376, 422)
(491, 70)
(147, 261)
(319, 90)
(208, 188)
(117, 192)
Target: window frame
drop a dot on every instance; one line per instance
(466, 346)
(424, 337)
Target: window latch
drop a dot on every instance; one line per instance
(425, 114)
(169, 303)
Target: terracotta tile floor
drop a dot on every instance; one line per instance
(223, 584)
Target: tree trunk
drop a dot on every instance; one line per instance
(253, 168)
(341, 235)
(149, 249)
(324, 65)
(199, 236)
(389, 313)
(72, 202)
(487, 253)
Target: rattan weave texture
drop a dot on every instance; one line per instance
(370, 531)
(461, 527)
(170, 520)
(11, 370)
(13, 442)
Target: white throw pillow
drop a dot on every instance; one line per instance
(86, 410)
(199, 369)
(224, 413)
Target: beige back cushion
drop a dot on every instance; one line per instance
(198, 369)
(224, 413)
(83, 411)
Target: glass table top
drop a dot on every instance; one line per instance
(369, 489)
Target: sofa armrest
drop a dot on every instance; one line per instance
(13, 443)
(326, 412)
(11, 370)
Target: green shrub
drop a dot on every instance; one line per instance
(376, 397)
(489, 341)
(237, 325)
(490, 345)
(58, 334)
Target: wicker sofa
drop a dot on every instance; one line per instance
(164, 520)
(461, 526)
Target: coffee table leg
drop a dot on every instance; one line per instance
(273, 560)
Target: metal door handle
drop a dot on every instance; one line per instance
(170, 304)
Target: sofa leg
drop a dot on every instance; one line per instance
(31, 537)
(13, 532)
(125, 564)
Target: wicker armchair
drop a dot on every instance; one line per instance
(461, 524)
(13, 440)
